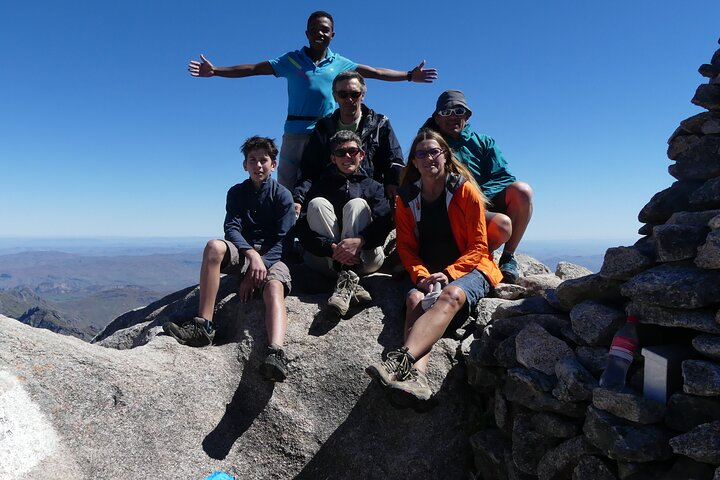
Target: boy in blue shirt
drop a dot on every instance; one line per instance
(259, 215)
(309, 73)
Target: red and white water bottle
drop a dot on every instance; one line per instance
(624, 346)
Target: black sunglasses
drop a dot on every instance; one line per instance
(344, 94)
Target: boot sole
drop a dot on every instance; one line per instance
(403, 400)
(271, 373)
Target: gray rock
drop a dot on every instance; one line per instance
(527, 306)
(701, 378)
(592, 358)
(507, 291)
(701, 443)
(559, 462)
(685, 412)
(622, 263)
(714, 222)
(480, 351)
(625, 441)
(705, 123)
(674, 286)
(708, 255)
(629, 406)
(528, 446)
(506, 353)
(536, 284)
(663, 204)
(552, 425)
(717, 474)
(568, 271)
(486, 308)
(537, 349)
(531, 390)
(488, 447)
(592, 468)
(501, 411)
(686, 469)
(591, 287)
(707, 96)
(678, 242)
(693, 218)
(163, 407)
(700, 161)
(707, 196)
(596, 323)
(504, 327)
(514, 473)
(701, 319)
(680, 142)
(531, 266)
(708, 345)
(570, 336)
(575, 383)
(709, 71)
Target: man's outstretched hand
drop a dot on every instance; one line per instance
(204, 68)
(423, 75)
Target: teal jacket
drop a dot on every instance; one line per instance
(482, 157)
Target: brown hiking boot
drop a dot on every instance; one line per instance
(347, 282)
(397, 364)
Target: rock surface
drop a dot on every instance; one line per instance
(115, 413)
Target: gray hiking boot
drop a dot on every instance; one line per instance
(274, 368)
(413, 384)
(361, 296)
(197, 332)
(397, 365)
(509, 268)
(344, 289)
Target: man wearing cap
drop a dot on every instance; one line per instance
(383, 160)
(510, 206)
(309, 73)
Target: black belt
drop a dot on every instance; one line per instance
(301, 117)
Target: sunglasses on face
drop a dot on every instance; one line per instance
(352, 152)
(459, 111)
(345, 94)
(431, 154)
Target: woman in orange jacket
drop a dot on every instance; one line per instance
(442, 242)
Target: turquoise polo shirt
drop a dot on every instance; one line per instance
(309, 86)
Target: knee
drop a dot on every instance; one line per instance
(501, 225)
(355, 205)
(519, 192)
(317, 204)
(214, 251)
(414, 297)
(273, 289)
(453, 296)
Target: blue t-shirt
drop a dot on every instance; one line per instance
(309, 86)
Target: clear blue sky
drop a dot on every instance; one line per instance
(103, 131)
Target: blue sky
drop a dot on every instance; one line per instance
(103, 131)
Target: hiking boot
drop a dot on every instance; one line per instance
(397, 365)
(509, 268)
(413, 386)
(197, 332)
(274, 368)
(361, 296)
(344, 289)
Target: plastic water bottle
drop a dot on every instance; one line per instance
(430, 299)
(624, 346)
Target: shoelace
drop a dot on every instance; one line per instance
(344, 285)
(399, 362)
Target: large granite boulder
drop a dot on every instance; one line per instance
(163, 410)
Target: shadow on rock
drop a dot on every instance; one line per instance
(379, 441)
(253, 393)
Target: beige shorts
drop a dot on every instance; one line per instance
(236, 264)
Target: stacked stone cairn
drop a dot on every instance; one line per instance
(533, 364)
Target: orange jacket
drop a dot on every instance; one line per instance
(466, 211)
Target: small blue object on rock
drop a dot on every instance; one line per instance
(219, 476)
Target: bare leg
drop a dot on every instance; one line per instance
(413, 311)
(518, 197)
(210, 277)
(431, 325)
(499, 229)
(275, 312)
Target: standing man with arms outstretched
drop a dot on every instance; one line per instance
(309, 73)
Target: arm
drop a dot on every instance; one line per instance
(284, 216)
(204, 68)
(417, 74)
(389, 157)
(376, 232)
(233, 219)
